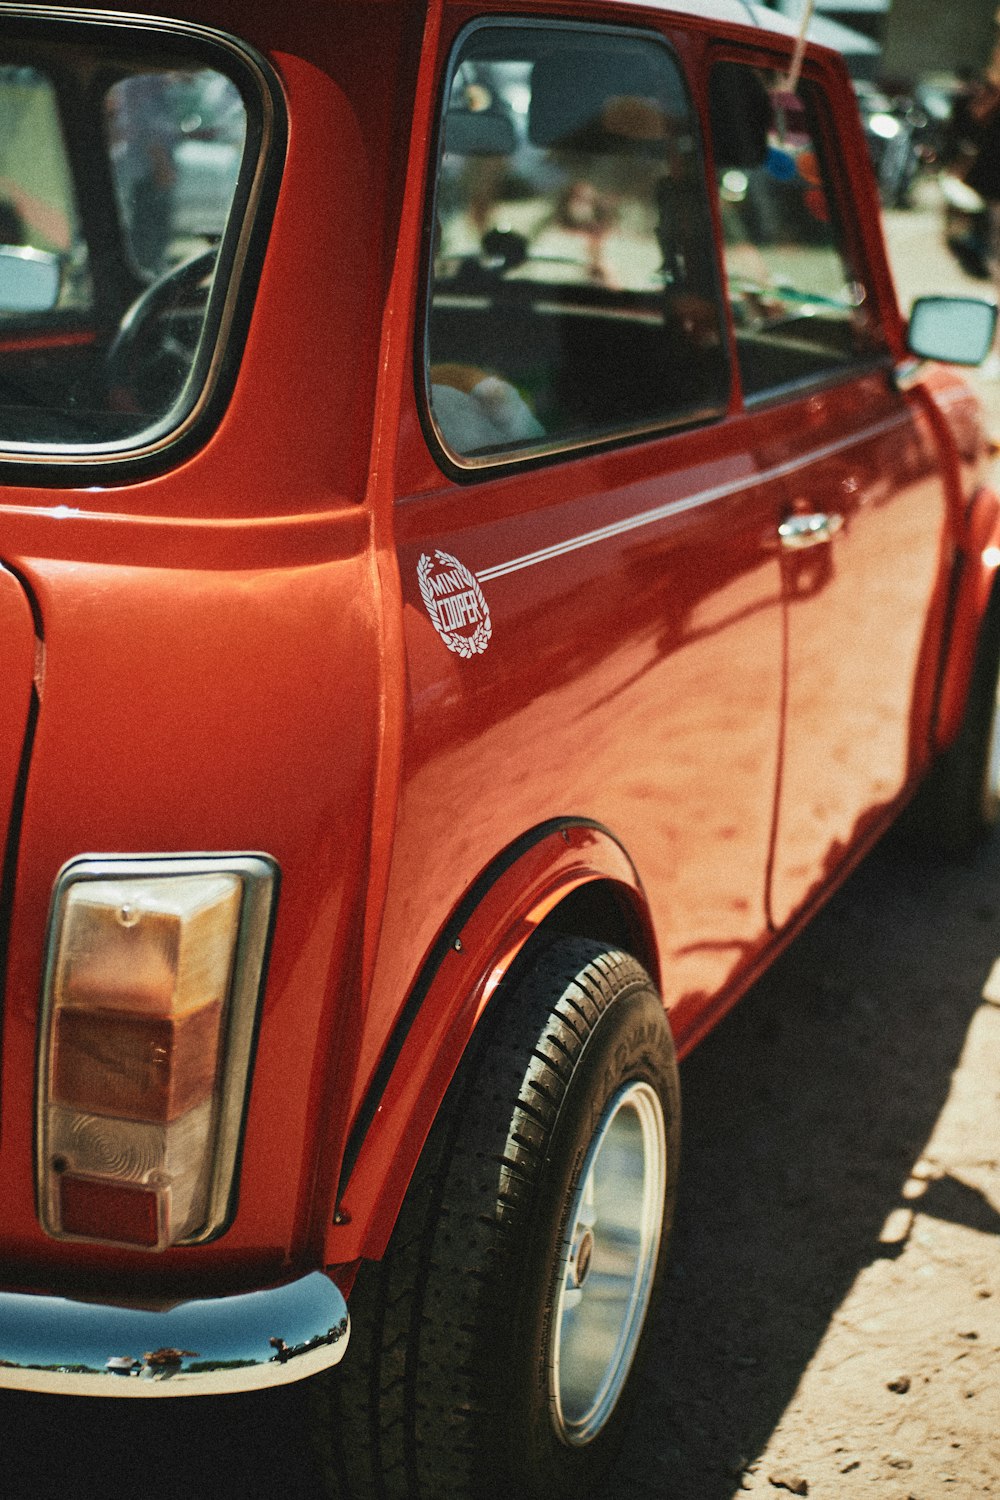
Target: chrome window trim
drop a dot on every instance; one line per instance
(571, 446)
(826, 379)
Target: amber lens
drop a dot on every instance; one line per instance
(135, 1067)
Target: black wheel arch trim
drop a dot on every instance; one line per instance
(449, 935)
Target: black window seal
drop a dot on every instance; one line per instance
(827, 379)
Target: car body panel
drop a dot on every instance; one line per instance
(497, 919)
(852, 738)
(637, 647)
(22, 668)
(278, 758)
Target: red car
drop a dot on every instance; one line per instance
(483, 558)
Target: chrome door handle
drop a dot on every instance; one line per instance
(799, 532)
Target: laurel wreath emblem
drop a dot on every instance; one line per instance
(462, 645)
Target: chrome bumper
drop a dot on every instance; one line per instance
(208, 1347)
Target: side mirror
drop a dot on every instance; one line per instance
(957, 330)
(29, 279)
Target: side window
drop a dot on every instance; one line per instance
(800, 307)
(572, 292)
(129, 169)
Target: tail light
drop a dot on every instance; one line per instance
(149, 1014)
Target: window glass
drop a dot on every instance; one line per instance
(571, 295)
(123, 168)
(175, 140)
(800, 305)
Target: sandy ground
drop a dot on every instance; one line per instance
(832, 1319)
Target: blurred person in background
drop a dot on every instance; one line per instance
(974, 156)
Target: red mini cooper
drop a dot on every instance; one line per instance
(483, 558)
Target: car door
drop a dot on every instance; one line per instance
(592, 597)
(863, 539)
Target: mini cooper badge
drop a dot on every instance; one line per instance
(455, 603)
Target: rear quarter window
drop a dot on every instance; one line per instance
(175, 143)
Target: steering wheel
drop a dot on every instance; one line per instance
(151, 354)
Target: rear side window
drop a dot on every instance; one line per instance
(129, 180)
(801, 309)
(572, 295)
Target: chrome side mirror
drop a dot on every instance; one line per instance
(957, 330)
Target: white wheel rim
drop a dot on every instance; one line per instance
(991, 789)
(607, 1263)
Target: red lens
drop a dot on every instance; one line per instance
(106, 1211)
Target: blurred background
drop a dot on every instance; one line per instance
(915, 79)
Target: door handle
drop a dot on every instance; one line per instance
(815, 530)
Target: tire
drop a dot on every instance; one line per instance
(493, 1352)
(959, 805)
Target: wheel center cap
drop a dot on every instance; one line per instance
(582, 1257)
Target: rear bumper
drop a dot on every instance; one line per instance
(211, 1346)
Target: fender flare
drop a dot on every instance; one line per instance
(979, 560)
(500, 914)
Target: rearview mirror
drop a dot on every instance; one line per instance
(958, 330)
(29, 279)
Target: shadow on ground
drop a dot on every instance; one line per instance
(804, 1113)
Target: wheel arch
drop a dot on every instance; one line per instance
(570, 876)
